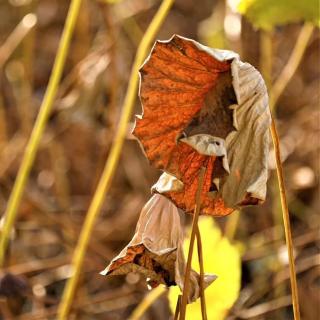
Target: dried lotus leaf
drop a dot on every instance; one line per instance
(156, 250)
(204, 107)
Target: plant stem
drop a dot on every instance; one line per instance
(176, 313)
(184, 298)
(292, 65)
(17, 35)
(266, 61)
(286, 222)
(147, 301)
(112, 161)
(276, 91)
(200, 257)
(38, 129)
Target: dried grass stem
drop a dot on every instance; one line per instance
(184, 298)
(286, 222)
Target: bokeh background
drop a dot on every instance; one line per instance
(79, 135)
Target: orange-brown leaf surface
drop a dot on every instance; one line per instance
(174, 83)
(177, 81)
(204, 107)
(189, 162)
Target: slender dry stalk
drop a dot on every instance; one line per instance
(286, 222)
(176, 313)
(276, 91)
(111, 163)
(266, 62)
(147, 301)
(200, 257)
(38, 129)
(3, 125)
(17, 35)
(28, 50)
(292, 64)
(184, 298)
(261, 309)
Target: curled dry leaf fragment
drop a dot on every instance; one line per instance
(156, 249)
(204, 107)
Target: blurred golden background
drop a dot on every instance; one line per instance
(78, 137)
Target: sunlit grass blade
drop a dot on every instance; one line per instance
(38, 129)
(112, 161)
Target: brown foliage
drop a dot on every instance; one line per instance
(184, 91)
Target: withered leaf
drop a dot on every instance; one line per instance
(204, 107)
(184, 195)
(175, 80)
(156, 250)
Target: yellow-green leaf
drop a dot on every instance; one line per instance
(221, 258)
(267, 14)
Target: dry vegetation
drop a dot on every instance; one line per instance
(78, 138)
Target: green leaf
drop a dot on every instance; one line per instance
(221, 258)
(266, 14)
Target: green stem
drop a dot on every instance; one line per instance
(38, 129)
(112, 161)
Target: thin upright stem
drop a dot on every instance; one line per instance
(184, 298)
(177, 311)
(200, 257)
(17, 35)
(276, 91)
(292, 64)
(38, 129)
(111, 163)
(286, 222)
